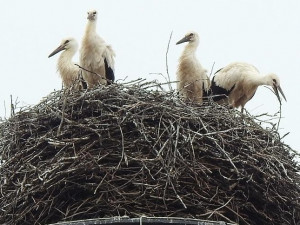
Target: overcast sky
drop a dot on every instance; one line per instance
(264, 33)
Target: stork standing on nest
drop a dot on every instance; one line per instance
(95, 55)
(193, 82)
(68, 71)
(237, 83)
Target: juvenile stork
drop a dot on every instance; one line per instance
(237, 83)
(95, 55)
(193, 82)
(68, 71)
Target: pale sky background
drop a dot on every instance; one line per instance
(265, 33)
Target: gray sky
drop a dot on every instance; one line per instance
(264, 33)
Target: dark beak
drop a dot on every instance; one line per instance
(60, 48)
(91, 16)
(276, 89)
(185, 39)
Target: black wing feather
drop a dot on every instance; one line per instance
(218, 92)
(218, 70)
(109, 73)
(206, 93)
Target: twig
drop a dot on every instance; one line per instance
(12, 107)
(63, 111)
(279, 119)
(222, 206)
(4, 105)
(225, 153)
(103, 78)
(89, 71)
(167, 67)
(211, 70)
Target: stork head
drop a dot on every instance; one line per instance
(191, 37)
(92, 15)
(68, 44)
(274, 82)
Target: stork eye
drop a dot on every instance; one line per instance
(67, 41)
(94, 13)
(274, 81)
(191, 34)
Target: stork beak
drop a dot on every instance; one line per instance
(60, 48)
(91, 16)
(185, 39)
(276, 89)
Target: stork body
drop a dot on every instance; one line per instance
(68, 71)
(193, 82)
(237, 83)
(95, 55)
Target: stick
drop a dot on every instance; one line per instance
(12, 107)
(62, 113)
(211, 70)
(93, 73)
(220, 207)
(167, 67)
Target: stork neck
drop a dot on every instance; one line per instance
(66, 56)
(190, 48)
(258, 79)
(91, 26)
(267, 79)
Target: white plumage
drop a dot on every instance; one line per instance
(193, 82)
(68, 71)
(96, 55)
(237, 83)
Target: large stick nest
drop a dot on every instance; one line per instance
(129, 149)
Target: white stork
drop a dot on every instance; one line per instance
(95, 55)
(68, 71)
(193, 82)
(237, 83)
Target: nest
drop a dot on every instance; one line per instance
(135, 150)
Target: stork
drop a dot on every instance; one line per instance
(68, 71)
(193, 82)
(237, 83)
(95, 55)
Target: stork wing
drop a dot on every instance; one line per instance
(219, 92)
(109, 63)
(109, 73)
